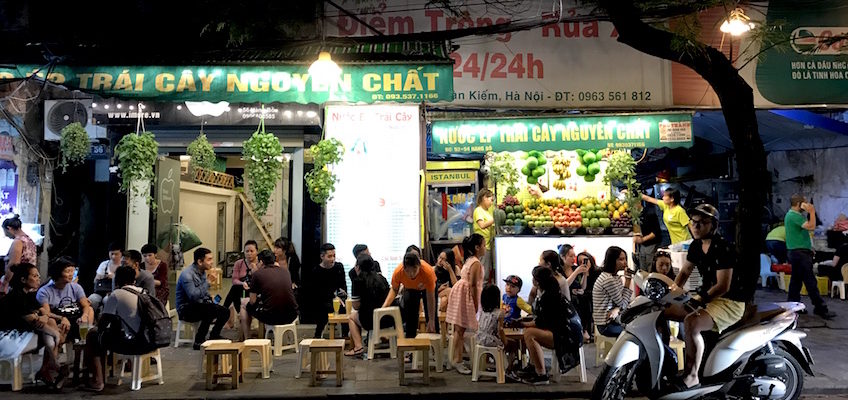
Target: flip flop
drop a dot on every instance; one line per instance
(355, 352)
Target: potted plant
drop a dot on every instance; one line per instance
(321, 181)
(621, 170)
(74, 146)
(201, 152)
(264, 167)
(136, 155)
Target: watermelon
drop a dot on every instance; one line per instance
(510, 216)
(500, 216)
(508, 209)
(518, 208)
(509, 222)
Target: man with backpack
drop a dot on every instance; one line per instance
(131, 323)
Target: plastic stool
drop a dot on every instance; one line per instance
(437, 348)
(137, 377)
(279, 332)
(187, 328)
(555, 370)
(837, 286)
(391, 333)
(472, 341)
(262, 347)
(603, 344)
(497, 353)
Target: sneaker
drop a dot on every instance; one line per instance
(526, 371)
(536, 379)
(462, 369)
(824, 313)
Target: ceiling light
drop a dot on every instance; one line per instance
(324, 71)
(311, 114)
(201, 108)
(119, 106)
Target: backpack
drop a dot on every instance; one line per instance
(154, 331)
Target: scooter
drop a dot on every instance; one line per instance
(759, 357)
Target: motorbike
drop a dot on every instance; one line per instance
(760, 357)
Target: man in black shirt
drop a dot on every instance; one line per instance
(357, 250)
(721, 293)
(649, 239)
(325, 281)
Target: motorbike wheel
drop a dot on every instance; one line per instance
(614, 382)
(792, 377)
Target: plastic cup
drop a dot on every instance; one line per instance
(336, 305)
(83, 331)
(674, 327)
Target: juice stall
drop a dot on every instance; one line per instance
(559, 179)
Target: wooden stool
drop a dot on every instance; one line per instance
(303, 357)
(78, 347)
(478, 368)
(225, 361)
(678, 346)
(336, 319)
(420, 347)
(279, 332)
(320, 346)
(436, 347)
(213, 276)
(213, 353)
(261, 347)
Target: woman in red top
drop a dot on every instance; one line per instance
(241, 275)
(159, 270)
(22, 249)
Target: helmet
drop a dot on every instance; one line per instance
(706, 210)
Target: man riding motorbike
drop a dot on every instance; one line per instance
(720, 299)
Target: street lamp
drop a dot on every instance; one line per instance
(737, 23)
(324, 71)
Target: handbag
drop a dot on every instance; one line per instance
(103, 286)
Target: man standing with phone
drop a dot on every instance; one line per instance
(800, 255)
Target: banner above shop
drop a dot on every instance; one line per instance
(563, 133)
(361, 83)
(813, 69)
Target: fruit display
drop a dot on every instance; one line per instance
(560, 166)
(535, 166)
(510, 213)
(589, 163)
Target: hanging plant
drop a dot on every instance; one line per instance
(136, 156)
(503, 172)
(201, 152)
(264, 168)
(74, 146)
(621, 169)
(321, 181)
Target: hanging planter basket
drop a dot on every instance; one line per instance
(74, 146)
(201, 152)
(264, 168)
(321, 181)
(136, 154)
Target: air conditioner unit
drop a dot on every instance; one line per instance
(61, 113)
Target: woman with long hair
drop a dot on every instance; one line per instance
(610, 296)
(287, 258)
(369, 289)
(464, 300)
(22, 249)
(550, 259)
(585, 310)
(446, 276)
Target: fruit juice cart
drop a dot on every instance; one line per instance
(451, 199)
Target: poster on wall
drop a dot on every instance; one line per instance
(560, 64)
(376, 201)
(812, 69)
(8, 187)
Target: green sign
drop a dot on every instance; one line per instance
(366, 83)
(813, 69)
(563, 133)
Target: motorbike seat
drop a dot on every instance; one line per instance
(754, 314)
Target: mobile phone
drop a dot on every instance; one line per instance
(586, 261)
(217, 299)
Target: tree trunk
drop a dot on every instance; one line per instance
(737, 104)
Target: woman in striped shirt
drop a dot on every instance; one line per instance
(610, 296)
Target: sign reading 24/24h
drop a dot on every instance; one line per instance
(563, 133)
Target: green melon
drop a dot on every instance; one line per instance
(581, 170)
(500, 216)
(532, 180)
(589, 178)
(594, 168)
(539, 171)
(589, 158)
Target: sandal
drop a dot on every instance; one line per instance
(355, 352)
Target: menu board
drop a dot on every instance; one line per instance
(376, 201)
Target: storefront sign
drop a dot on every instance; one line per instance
(367, 83)
(563, 133)
(376, 200)
(8, 187)
(813, 69)
(447, 177)
(573, 64)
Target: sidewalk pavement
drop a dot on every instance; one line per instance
(379, 378)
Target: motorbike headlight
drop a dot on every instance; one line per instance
(656, 289)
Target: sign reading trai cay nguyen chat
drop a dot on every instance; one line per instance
(563, 133)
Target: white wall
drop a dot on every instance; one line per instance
(829, 188)
(199, 210)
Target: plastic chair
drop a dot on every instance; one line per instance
(837, 286)
(765, 269)
(279, 332)
(555, 370)
(185, 332)
(391, 333)
(437, 349)
(498, 354)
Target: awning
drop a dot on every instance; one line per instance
(779, 130)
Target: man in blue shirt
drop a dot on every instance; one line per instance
(193, 301)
